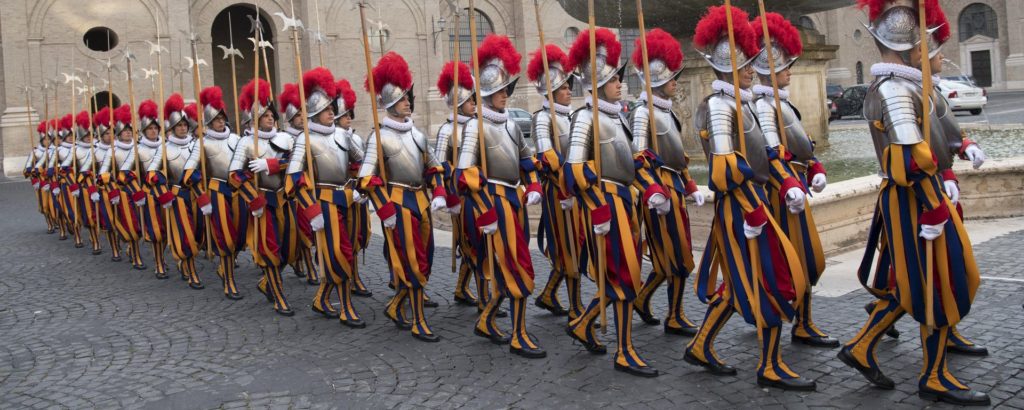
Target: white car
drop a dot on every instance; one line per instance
(963, 96)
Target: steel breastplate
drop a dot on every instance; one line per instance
(329, 159)
(798, 142)
(177, 156)
(502, 153)
(946, 138)
(616, 150)
(670, 140)
(120, 156)
(756, 145)
(402, 157)
(218, 157)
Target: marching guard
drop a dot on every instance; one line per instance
(35, 172)
(358, 222)
(103, 123)
(791, 158)
(120, 170)
(80, 170)
(668, 235)
(761, 272)
(923, 244)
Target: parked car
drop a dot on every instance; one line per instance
(833, 91)
(833, 110)
(852, 101)
(963, 96)
(523, 119)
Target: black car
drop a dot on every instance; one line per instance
(851, 102)
(523, 119)
(833, 91)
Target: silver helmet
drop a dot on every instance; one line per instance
(463, 95)
(391, 94)
(558, 78)
(316, 102)
(896, 28)
(494, 77)
(934, 46)
(718, 56)
(782, 60)
(660, 73)
(499, 65)
(606, 70)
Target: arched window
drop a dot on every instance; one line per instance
(860, 72)
(483, 28)
(977, 19)
(806, 22)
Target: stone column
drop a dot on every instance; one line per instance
(1015, 60)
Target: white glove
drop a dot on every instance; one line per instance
(391, 221)
(317, 223)
(76, 193)
(141, 203)
(795, 200)
(532, 198)
(56, 190)
(976, 155)
(259, 165)
(455, 209)
(698, 198)
(171, 202)
(359, 198)
(752, 232)
(35, 186)
(206, 209)
(257, 213)
(489, 229)
(567, 203)
(603, 229)
(930, 232)
(818, 182)
(659, 204)
(95, 197)
(438, 203)
(114, 200)
(952, 191)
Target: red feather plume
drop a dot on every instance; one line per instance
(660, 46)
(289, 96)
(936, 17)
(83, 118)
(782, 32)
(391, 68)
(42, 127)
(55, 124)
(102, 117)
(499, 46)
(174, 103)
(212, 96)
(535, 69)
(444, 81)
(191, 113)
(319, 77)
(148, 109)
(346, 92)
(66, 122)
(713, 26)
(123, 114)
(247, 98)
(580, 50)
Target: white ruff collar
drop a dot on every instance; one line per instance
(728, 89)
(404, 126)
(559, 108)
(768, 91)
(608, 108)
(321, 129)
(659, 102)
(266, 135)
(462, 118)
(66, 144)
(218, 135)
(494, 116)
(180, 141)
(902, 71)
(123, 145)
(102, 146)
(147, 142)
(83, 144)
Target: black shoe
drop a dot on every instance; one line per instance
(162, 275)
(196, 285)
(97, 251)
(285, 312)
(313, 282)
(330, 314)
(647, 317)
(715, 369)
(427, 303)
(798, 384)
(429, 337)
(498, 340)
(681, 331)
(874, 376)
(298, 273)
(465, 301)
(233, 296)
(555, 310)
(957, 397)
(642, 371)
(363, 293)
(401, 324)
(140, 267)
(63, 238)
(972, 350)
(50, 231)
(115, 259)
(79, 245)
(817, 341)
(593, 348)
(354, 323)
(528, 353)
(501, 313)
(891, 331)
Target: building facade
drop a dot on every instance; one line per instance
(987, 43)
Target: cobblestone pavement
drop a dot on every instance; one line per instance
(81, 331)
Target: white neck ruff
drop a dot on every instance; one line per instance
(210, 133)
(770, 92)
(321, 129)
(149, 143)
(494, 116)
(607, 108)
(559, 108)
(404, 126)
(659, 102)
(729, 88)
(899, 70)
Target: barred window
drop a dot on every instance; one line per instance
(977, 19)
(483, 28)
(628, 36)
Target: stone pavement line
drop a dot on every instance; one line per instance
(80, 331)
